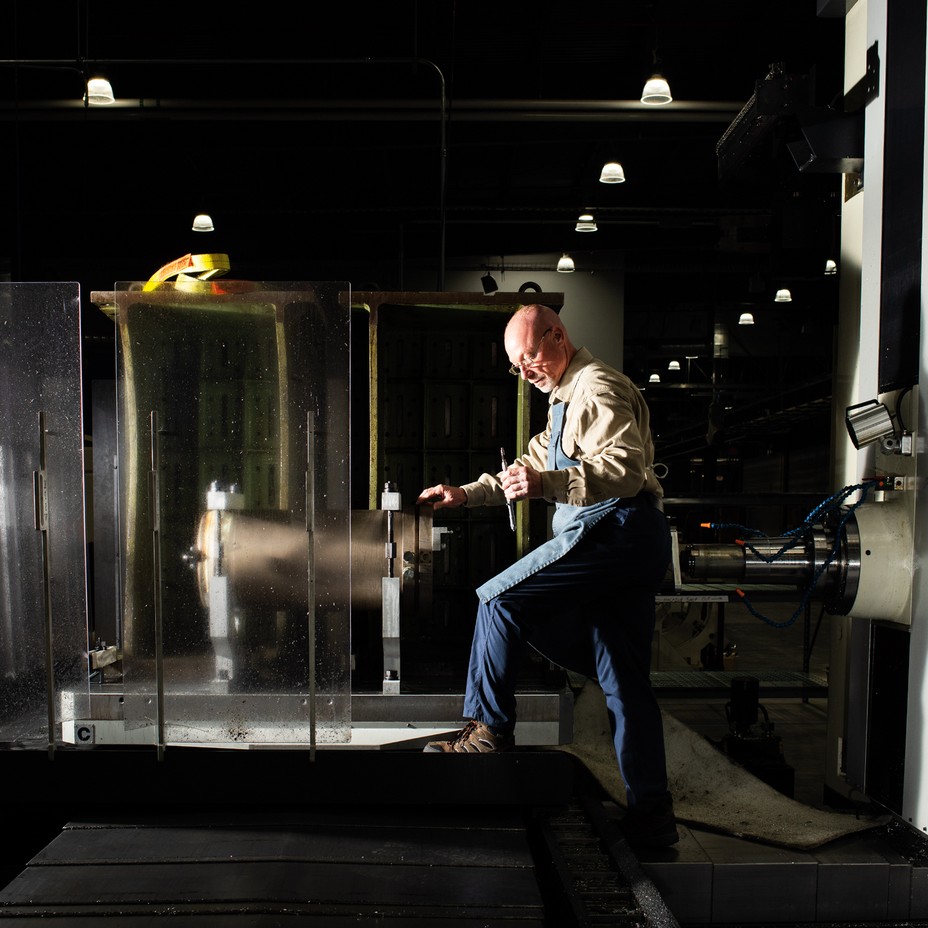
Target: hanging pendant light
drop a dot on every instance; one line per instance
(99, 92)
(656, 91)
(746, 319)
(565, 264)
(612, 173)
(585, 223)
(783, 296)
(203, 222)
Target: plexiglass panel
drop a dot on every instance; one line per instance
(43, 618)
(233, 421)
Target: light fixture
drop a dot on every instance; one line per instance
(746, 319)
(203, 222)
(585, 223)
(654, 378)
(868, 422)
(656, 91)
(565, 264)
(673, 366)
(489, 284)
(99, 92)
(831, 267)
(612, 173)
(783, 296)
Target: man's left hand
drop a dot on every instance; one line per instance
(521, 482)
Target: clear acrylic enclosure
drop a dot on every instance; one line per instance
(233, 443)
(43, 614)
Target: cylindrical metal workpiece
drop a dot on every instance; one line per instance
(771, 560)
(767, 560)
(266, 559)
(715, 562)
(827, 558)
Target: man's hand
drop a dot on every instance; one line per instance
(521, 482)
(443, 496)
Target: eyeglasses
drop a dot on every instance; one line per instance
(528, 359)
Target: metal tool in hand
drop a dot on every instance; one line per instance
(510, 504)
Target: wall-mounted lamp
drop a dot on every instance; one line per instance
(656, 91)
(489, 283)
(746, 319)
(869, 422)
(831, 267)
(203, 222)
(783, 296)
(99, 92)
(612, 173)
(565, 264)
(585, 223)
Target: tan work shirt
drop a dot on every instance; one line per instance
(606, 428)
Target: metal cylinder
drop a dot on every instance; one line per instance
(713, 562)
(266, 559)
(828, 557)
(885, 562)
(770, 560)
(767, 560)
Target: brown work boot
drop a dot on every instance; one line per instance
(474, 738)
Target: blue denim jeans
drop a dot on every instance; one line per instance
(592, 611)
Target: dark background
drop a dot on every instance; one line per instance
(390, 145)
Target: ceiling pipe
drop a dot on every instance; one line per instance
(353, 110)
(476, 110)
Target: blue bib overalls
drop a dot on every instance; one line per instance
(585, 600)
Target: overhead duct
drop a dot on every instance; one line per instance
(777, 96)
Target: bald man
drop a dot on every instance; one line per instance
(585, 598)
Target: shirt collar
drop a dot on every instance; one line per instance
(565, 386)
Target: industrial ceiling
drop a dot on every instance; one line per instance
(383, 143)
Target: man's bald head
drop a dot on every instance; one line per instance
(533, 319)
(537, 343)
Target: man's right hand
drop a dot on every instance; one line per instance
(443, 496)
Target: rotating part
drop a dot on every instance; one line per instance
(860, 562)
(884, 562)
(825, 556)
(265, 559)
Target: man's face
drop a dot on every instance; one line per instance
(537, 357)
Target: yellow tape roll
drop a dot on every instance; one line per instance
(192, 271)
